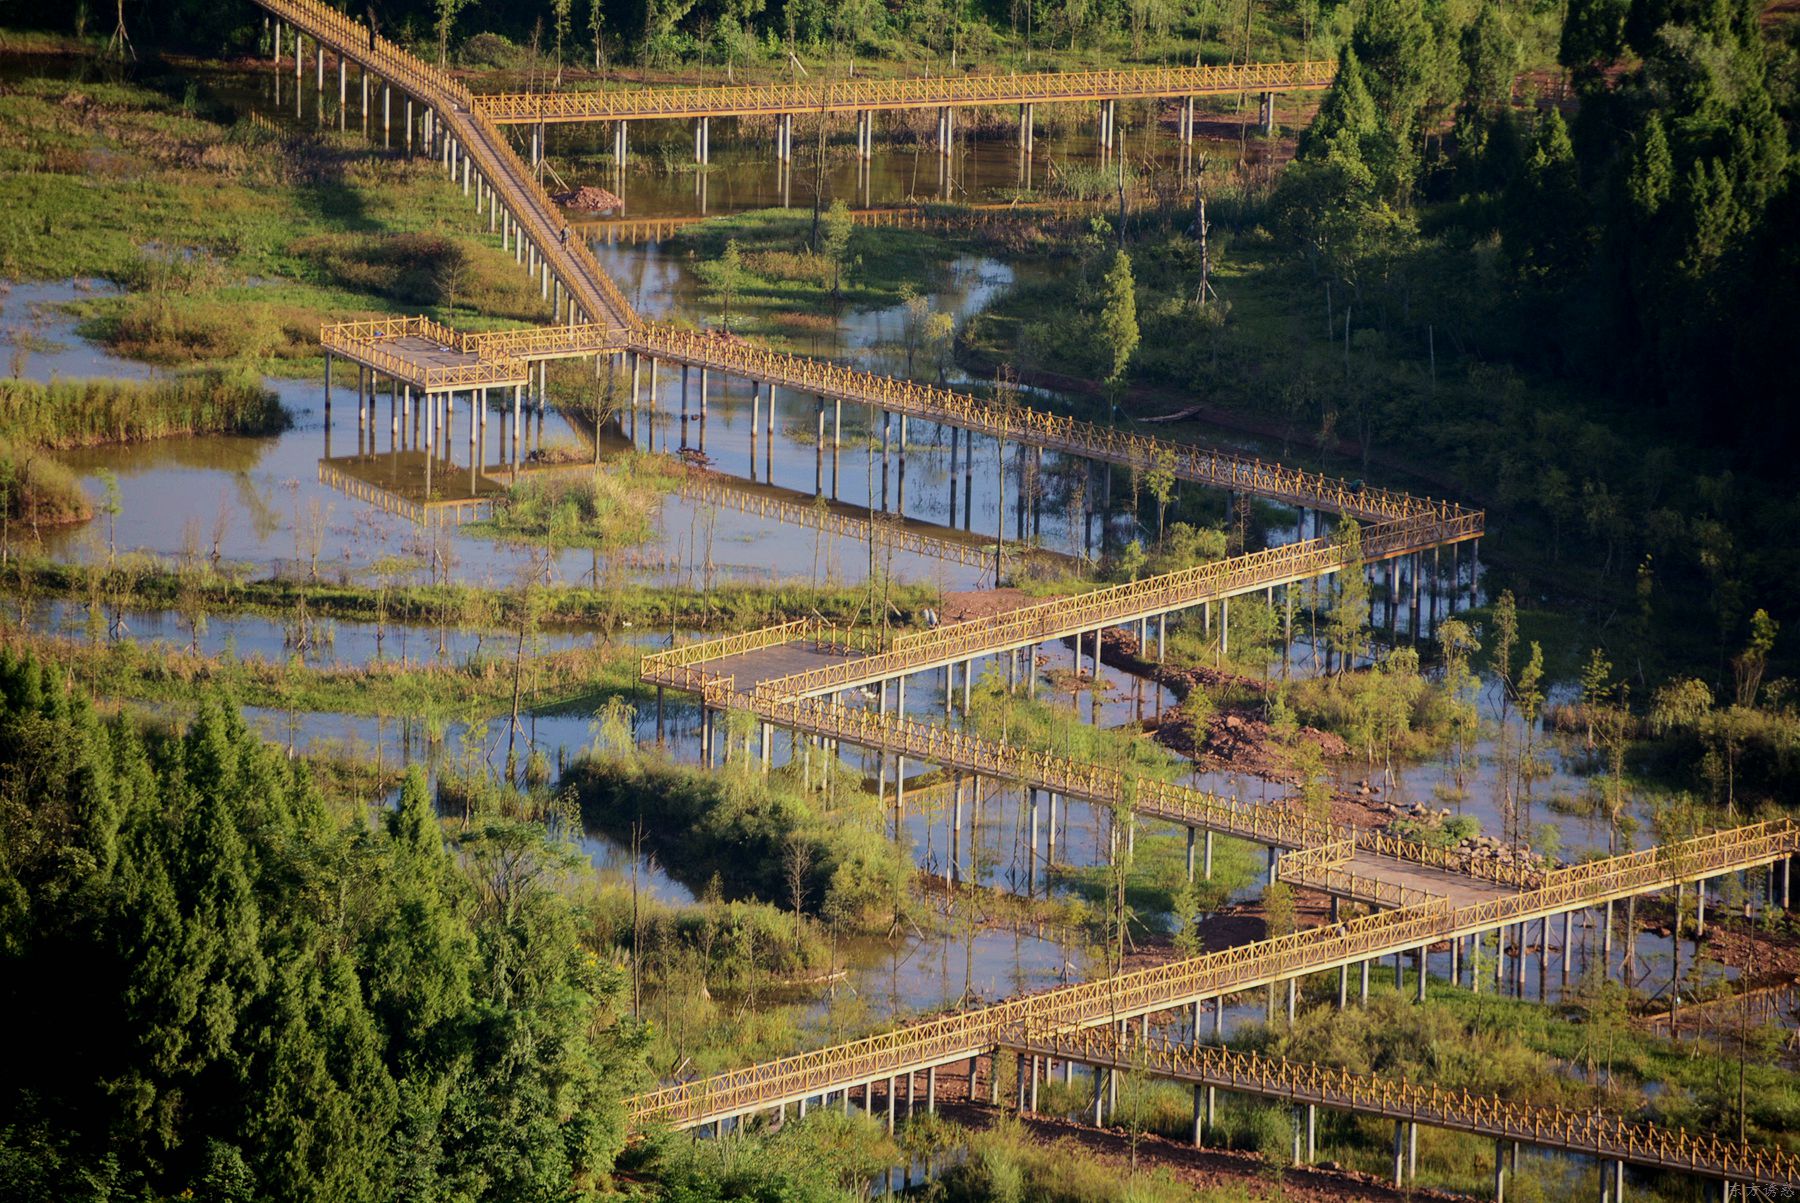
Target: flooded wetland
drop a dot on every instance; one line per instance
(953, 640)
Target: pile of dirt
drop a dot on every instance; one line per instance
(596, 200)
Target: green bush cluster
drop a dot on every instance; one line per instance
(752, 832)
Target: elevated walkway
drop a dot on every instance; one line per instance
(864, 95)
(962, 1036)
(1588, 1132)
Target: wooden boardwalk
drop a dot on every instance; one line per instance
(1588, 1131)
(928, 92)
(963, 1036)
(1421, 896)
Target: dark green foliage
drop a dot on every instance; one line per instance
(752, 832)
(231, 989)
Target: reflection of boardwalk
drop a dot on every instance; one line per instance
(926, 217)
(413, 484)
(886, 531)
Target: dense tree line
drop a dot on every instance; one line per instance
(1628, 240)
(216, 982)
(717, 32)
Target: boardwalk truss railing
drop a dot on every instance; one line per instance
(1116, 604)
(837, 96)
(1587, 1131)
(1162, 987)
(342, 339)
(612, 231)
(1201, 465)
(1326, 846)
(884, 530)
(530, 206)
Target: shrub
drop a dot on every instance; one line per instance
(37, 491)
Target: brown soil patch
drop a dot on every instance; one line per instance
(981, 603)
(597, 200)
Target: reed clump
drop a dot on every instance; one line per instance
(36, 491)
(62, 414)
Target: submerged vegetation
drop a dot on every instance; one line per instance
(37, 492)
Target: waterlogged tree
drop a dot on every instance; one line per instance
(1188, 911)
(446, 11)
(726, 274)
(1394, 696)
(835, 244)
(1347, 622)
(559, 23)
(1531, 703)
(1160, 480)
(1117, 328)
(1461, 689)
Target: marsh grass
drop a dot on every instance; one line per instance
(763, 837)
(152, 582)
(233, 239)
(82, 413)
(479, 685)
(37, 491)
(611, 506)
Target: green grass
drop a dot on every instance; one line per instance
(234, 239)
(393, 592)
(481, 685)
(785, 287)
(609, 506)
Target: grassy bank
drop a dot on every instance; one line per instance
(232, 238)
(392, 593)
(607, 507)
(479, 686)
(761, 837)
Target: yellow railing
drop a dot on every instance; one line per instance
(1201, 465)
(546, 342)
(574, 264)
(852, 95)
(1176, 983)
(1587, 1131)
(641, 229)
(1117, 604)
(362, 341)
